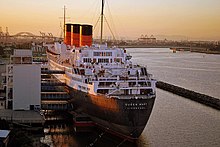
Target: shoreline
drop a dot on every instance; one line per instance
(193, 49)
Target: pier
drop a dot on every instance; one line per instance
(22, 117)
(195, 96)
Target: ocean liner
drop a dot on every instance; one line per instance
(104, 84)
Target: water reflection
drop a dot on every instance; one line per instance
(63, 135)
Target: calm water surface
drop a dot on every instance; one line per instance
(179, 122)
(176, 121)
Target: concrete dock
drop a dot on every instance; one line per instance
(22, 117)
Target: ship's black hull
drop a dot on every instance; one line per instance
(125, 117)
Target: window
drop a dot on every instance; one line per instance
(108, 53)
(96, 54)
(102, 53)
(118, 60)
(87, 60)
(103, 60)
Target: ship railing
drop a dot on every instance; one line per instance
(103, 79)
(123, 96)
(113, 65)
(120, 80)
(106, 79)
(125, 87)
(106, 87)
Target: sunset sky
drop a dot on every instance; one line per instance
(194, 19)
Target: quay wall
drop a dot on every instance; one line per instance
(195, 96)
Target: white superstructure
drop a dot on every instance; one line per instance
(101, 70)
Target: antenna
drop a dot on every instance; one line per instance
(102, 14)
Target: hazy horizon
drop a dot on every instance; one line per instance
(191, 19)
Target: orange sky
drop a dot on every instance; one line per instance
(195, 19)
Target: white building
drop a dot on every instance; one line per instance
(23, 82)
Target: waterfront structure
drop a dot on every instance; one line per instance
(147, 40)
(23, 82)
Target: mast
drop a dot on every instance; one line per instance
(64, 21)
(102, 15)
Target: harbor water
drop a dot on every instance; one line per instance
(176, 121)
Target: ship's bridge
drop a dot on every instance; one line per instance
(103, 56)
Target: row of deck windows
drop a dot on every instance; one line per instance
(102, 54)
(87, 60)
(103, 60)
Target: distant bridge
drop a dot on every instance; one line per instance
(24, 34)
(27, 36)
